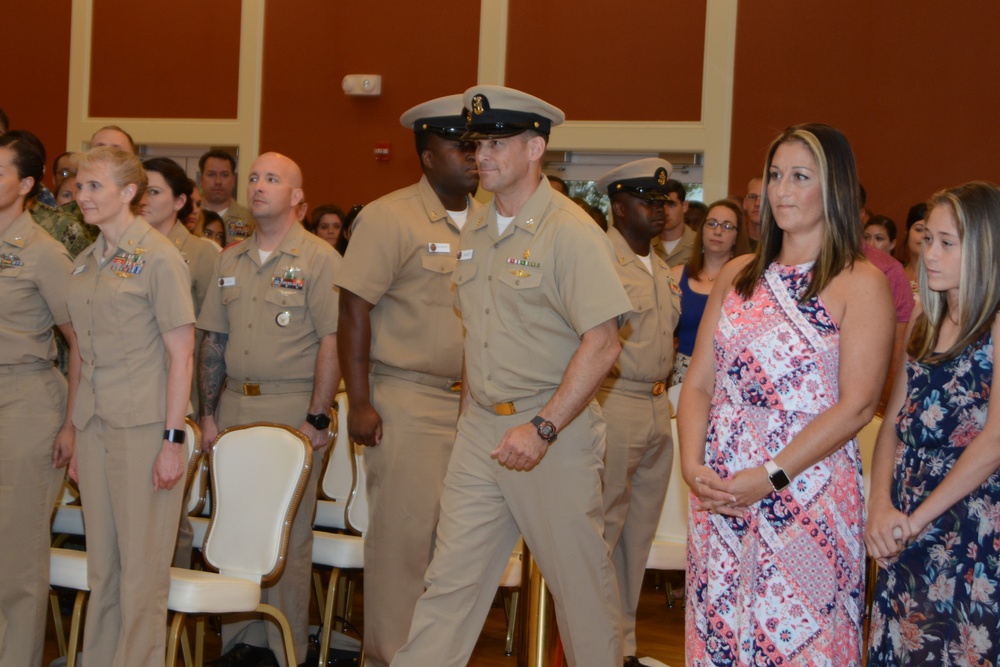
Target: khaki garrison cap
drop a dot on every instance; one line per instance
(644, 178)
(443, 115)
(495, 112)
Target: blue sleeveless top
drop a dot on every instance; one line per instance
(692, 307)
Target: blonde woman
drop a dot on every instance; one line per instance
(130, 301)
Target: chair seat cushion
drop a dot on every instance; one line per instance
(666, 555)
(68, 568)
(198, 592)
(343, 551)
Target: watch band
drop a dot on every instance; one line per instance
(175, 435)
(319, 421)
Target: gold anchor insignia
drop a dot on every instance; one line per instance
(527, 254)
(477, 105)
(520, 273)
(662, 179)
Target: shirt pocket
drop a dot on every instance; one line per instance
(461, 279)
(284, 312)
(439, 270)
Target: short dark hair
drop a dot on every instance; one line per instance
(673, 185)
(4, 122)
(55, 163)
(29, 156)
(176, 179)
(218, 154)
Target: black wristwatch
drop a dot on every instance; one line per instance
(546, 429)
(778, 478)
(175, 435)
(320, 421)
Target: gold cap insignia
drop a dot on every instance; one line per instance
(477, 105)
(661, 177)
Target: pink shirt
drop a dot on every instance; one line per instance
(902, 293)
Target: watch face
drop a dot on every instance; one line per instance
(779, 480)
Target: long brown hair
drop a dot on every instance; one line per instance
(976, 209)
(841, 206)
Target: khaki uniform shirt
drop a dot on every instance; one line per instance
(681, 252)
(239, 223)
(200, 255)
(528, 295)
(274, 313)
(34, 280)
(62, 226)
(400, 259)
(647, 336)
(120, 308)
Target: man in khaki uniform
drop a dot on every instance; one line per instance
(540, 301)
(400, 348)
(634, 395)
(676, 242)
(270, 318)
(218, 179)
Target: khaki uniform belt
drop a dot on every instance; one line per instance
(514, 407)
(426, 379)
(22, 369)
(261, 388)
(657, 388)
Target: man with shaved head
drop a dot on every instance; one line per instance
(270, 354)
(112, 135)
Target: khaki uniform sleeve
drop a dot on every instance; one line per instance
(373, 255)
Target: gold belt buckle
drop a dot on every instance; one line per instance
(659, 388)
(506, 409)
(456, 386)
(251, 389)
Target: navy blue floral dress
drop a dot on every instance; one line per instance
(937, 604)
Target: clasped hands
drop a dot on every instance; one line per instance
(729, 497)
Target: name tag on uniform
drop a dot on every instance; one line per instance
(227, 281)
(464, 255)
(439, 247)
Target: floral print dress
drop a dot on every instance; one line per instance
(781, 585)
(938, 603)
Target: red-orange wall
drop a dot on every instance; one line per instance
(177, 59)
(913, 85)
(34, 86)
(610, 61)
(422, 51)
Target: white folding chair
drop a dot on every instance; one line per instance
(342, 551)
(68, 567)
(259, 473)
(669, 548)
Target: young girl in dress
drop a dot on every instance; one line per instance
(934, 512)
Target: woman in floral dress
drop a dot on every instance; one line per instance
(934, 523)
(791, 355)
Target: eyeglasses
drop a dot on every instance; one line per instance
(65, 173)
(715, 224)
(752, 197)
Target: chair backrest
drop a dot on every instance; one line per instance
(357, 504)
(674, 518)
(195, 481)
(259, 473)
(866, 444)
(338, 478)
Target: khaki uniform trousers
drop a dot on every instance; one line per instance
(291, 592)
(131, 531)
(32, 409)
(636, 472)
(556, 507)
(405, 478)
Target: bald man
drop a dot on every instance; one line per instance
(270, 354)
(112, 135)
